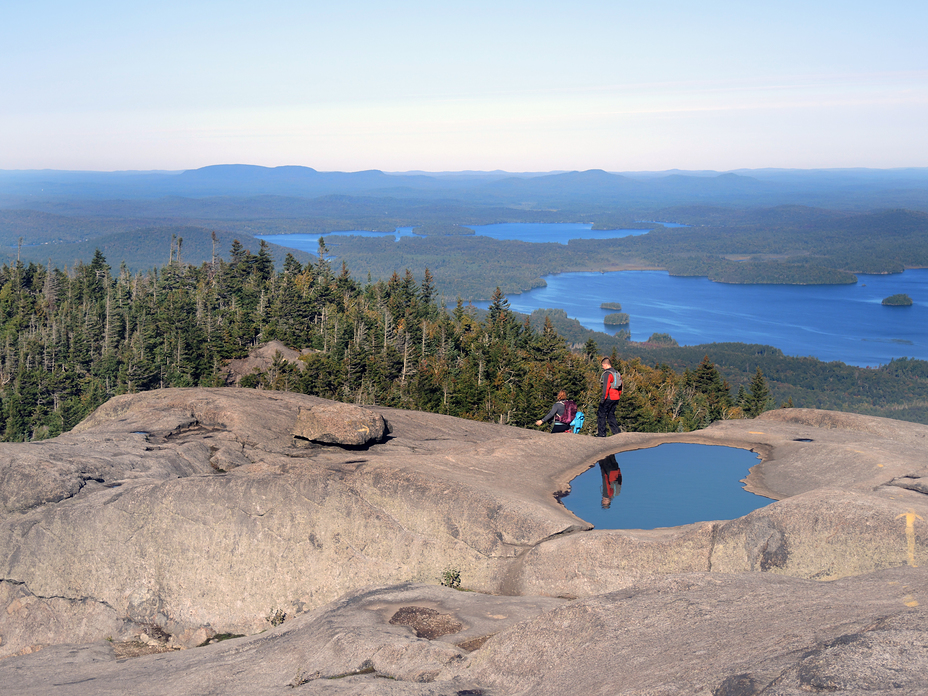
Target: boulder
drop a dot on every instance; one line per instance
(339, 424)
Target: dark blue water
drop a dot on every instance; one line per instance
(560, 232)
(666, 486)
(830, 322)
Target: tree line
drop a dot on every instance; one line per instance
(73, 338)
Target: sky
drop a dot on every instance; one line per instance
(446, 86)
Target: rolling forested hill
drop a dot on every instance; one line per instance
(786, 244)
(173, 232)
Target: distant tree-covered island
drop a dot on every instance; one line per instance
(614, 306)
(616, 319)
(898, 300)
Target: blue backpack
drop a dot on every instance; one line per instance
(577, 422)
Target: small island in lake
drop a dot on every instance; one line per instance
(614, 306)
(617, 319)
(900, 300)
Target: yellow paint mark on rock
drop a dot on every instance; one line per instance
(910, 601)
(879, 466)
(755, 432)
(910, 518)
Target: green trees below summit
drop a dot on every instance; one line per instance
(71, 339)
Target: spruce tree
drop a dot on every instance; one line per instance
(758, 400)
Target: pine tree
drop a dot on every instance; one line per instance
(706, 380)
(590, 349)
(758, 400)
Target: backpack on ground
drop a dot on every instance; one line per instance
(570, 410)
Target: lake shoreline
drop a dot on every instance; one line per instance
(832, 323)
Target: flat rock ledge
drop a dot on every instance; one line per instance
(182, 517)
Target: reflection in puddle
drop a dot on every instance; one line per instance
(665, 486)
(612, 480)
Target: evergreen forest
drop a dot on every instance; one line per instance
(73, 338)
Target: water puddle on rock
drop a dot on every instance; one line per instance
(665, 486)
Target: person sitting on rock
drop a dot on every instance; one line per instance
(561, 413)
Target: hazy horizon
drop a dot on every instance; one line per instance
(522, 87)
(477, 172)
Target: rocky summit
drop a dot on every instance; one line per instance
(237, 541)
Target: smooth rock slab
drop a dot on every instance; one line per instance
(677, 635)
(721, 635)
(339, 424)
(129, 518)
(198, 510)
(315, 653)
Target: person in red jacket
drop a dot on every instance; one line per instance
(611, 382)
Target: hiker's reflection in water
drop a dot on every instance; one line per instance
(612, 480)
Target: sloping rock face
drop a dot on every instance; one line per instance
(677, 635)
(193, 509)
(190, 513)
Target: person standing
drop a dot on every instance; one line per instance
(611, 382)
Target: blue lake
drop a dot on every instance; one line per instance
(830, 322)
(560, 232)
(666, 486)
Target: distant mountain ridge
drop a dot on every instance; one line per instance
(852, 189)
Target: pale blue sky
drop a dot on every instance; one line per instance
(521, 86)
